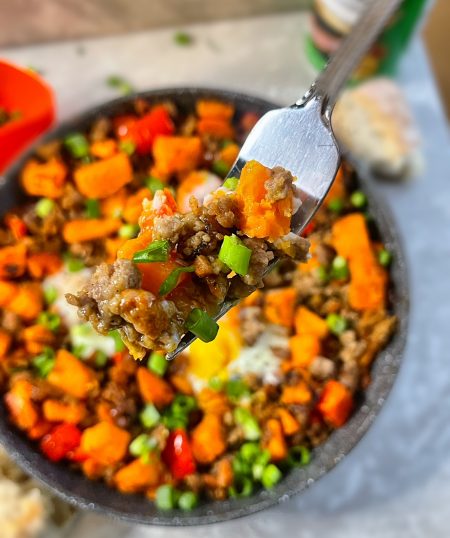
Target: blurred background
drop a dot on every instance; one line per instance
(396, 482)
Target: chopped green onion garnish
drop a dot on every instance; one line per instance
(202, 325)
(336, 323)
(322, 274)
(142, 445)
(127, 146)
(153, 184)
(44, 362)
(92, 209)
(339, 268)
(101, 358)
(79, 351)
(241, 467)
(220, 168)
(271, 476)
(235, 255)
(171, 281)
(165, 497)
(120, 346)
(299, 456)
(358, 199)
(236, 389)
(49, 320)
(336, 205)
(249, 451)
(128, 231)
(231, 183)
(50, 294)
(77, 145)
(259, 464)
(44, 207)
(158, 251)
(248, 423)
(215, 383)
(119, 83)
(384, 257)
(149, 416)
(157, 363)
(242, 487)
(183, 405)
(188, 500)
(174, 422)
(183, 38)
(73, 264)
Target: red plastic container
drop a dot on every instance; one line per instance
(24, 91)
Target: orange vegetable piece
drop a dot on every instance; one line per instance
(103, 178)
(112, 206)
(261, 217)
(103, 148)
(7, 291)
(5, 342)
(229, 154)
(19, 403)
(72, 376)
(57, 411)
(176, 154)
(337, 188)
(16, 225)
(279, 306)
(253, 299)
(112, 247)
(27, 303)
(211, 401)
(182, 384)
(153, 388)
(44, 179)
(289, 423)
(133, 206)
(42, 264)
(163, 204)
(138, 476)
(13, 261)
(215, 127)
(103, 411)
(296, 394)
(208, 439)
(188, 187)
(41, 428)
(36, 338)
(308, 322)
(335, 403)
(349, 235)
(105, 443)
(133, 245)
(273, 440)
(92, 469)
(368, 281)
(80, 230)
(207, 108)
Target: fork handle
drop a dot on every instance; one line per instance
(350, 53)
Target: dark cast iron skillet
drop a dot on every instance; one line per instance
(74, 488)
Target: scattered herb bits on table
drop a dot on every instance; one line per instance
(227, 417)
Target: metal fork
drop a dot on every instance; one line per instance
(300, 138)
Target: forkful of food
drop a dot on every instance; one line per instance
(184, 271)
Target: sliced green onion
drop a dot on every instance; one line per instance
(101, 359)
(242, 487)
(128, 231)
(79, 350)
(336, 323)
(119, 83)
(336, 205)
(174, 422)
(157, 363)
(154, 184)
(202, 325)
(183, 405)
(49, 320)
(149, 416)
(50, 294)
(158, 251)
(231, 183)
(299, 456)
(236, 389)
(339, 268)
(248, 423)
(44, 207)
(44, 362)
(220, 168)
(260, 464)
(183, 38)
(77, 145)
(127, 146)
(92, 209)
(384, 257)
(249, 451)
(171, 281)
(165, 497)
(73, 264)
(142, 445)
(188, 500)
(235, 255)
(322, 274)
(118, 342)
(215, 383)
(358, 199)
(271, 476)
(240, 466)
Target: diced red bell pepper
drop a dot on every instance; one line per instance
(177, 455)
(145, 130)
(17, 226)
(63, 438)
